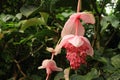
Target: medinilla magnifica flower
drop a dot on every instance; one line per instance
(73, 40)
(50, 66)
(77, 47)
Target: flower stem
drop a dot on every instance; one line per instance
(77, 24)
(79, 6)
(52, 56)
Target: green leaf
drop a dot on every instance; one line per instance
(44, 17)
(27, 10)
(28, 23)
(59, 76)
(89, 76)
(119, 45)
(19, 15)
(24, 40)
(114, 76)
(114, 21)
(115, 60)
(111, 19)
(76, 77)
(7, 17)
(92, 74)
(103, 59)
(45, 32)
(104, 24)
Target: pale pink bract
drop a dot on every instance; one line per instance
(69, 27)
(77, 47)
(50, 66)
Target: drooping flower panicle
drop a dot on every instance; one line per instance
(73, 40)
(77, 46)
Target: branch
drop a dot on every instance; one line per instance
(110, 39)
(32, 52)
(19, 68)
(103, 6)
(94, 6)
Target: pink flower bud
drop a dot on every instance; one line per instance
(50, 66)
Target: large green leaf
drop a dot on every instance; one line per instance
(19, 15)
(30, 22)
(111, 19)
(44, 17)
(7, 17)
(104, 24)
(27, 10)
(115, 75)
(89, 76)
(115, 60)
(114, 21)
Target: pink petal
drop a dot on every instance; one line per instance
(49, 49)
(40, 67)
(76, 41)
(87, 43)
(87, 17)
(52, 66)
(65, 39)
(57, 49)
(61, 44)
(58, 69)
(70, 26)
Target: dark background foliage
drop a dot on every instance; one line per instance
(28, 27)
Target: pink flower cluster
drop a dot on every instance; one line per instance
(73, 40)
(77, 46)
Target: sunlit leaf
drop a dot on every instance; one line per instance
(27, 10)
(111, 19)
(19, 15)
(114, 21)
(104, 24)
(44, 16)
(30, 22)
(7, 17)
(115, 60)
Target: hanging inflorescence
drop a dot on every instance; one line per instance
(72, 39)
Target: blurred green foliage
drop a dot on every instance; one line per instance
(27, 27)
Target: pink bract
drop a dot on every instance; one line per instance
(69, 27)
(77, 47)
(50, 66)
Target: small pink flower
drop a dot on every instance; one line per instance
(77, 47)
(69, 27)
(50, 66)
